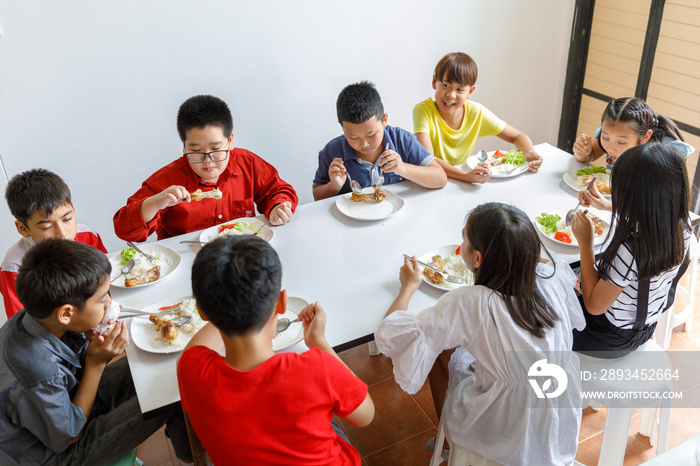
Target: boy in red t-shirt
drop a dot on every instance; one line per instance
(211, 183)
(252, 406)
(41, 203)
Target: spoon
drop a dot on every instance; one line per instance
(261, 226)
(448, 277)
(572, 213)
(284, 323)
(126, 269)
(150, 258)
(380, 178)
(178, 321)
(356, 188)
(193, 242)
(482, 156)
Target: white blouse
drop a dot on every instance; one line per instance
(493, 412)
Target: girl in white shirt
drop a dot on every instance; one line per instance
(650, 201)
(520, 309)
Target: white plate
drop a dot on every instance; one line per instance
(428, 257)
(499, 171)
(368, 210)
(295, 333)
(172, 262)
(143, 331)
(570, 179)
(211, 233)
(597, 240)
(143, 336)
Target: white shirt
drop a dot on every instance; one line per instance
(482, 412)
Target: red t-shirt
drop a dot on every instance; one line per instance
(13, 260)
(278, 413)
(247, 181)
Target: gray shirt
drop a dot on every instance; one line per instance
(39, 375)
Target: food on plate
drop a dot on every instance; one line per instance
(198, 195)
(143, 271)
(241, 227)
(555, 227)
(451, 264)
(112, 312)
(374, 197)
(165, 328)
(167, 335)
(602, 182)
(513, 158)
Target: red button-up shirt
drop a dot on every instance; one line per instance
(247, 181)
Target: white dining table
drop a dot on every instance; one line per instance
(351, 266)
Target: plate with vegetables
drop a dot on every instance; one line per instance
(579, 179)
(238, 227)
(552, 225)
(144, 272)
(502, 164)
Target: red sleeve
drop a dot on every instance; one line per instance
(91, 238)
(128, 223)
(9, 293)
(270, 189)
(348, 390)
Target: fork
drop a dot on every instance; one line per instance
(380, 178)
(150, 258)
(448, 277)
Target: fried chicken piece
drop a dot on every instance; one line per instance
(198, 195)
(598, 226)
(436, 263)
(374, 198)
(165, 327)
(150, 276)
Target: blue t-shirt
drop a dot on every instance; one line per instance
(365, 173)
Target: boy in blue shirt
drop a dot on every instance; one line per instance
(60, 403)
(369, 147)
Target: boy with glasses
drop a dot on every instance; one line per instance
(212, 182)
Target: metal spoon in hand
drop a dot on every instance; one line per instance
(354, 185)
(572, 213)
(482, 156)
(126, 269)
(284, 323)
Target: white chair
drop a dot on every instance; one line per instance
(655, 413)
(458, 456)
(672, 319)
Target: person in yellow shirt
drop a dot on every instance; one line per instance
(449, 125)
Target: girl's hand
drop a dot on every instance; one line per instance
(583, 147)
(313, 319)
(592, 197)
(477, 175)
(409, 274)
(337, 173)
(535, 160)
(391, 162)
(583, 229)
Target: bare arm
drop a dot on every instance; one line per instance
(337, 175)
(409, 276)
(477, 175)
(523, 143)
(167, 198)
(313, 318)
(598, 295)
(587, 148)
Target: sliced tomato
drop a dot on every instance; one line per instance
(170, 307)
(498, 153)
(563, 237)
(458, 251)
(227, 226)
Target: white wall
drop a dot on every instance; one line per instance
(90, 90)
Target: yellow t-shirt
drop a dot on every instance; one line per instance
(455, 145)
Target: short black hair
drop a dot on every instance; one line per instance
(36, 189)
(358, 103)
(55, 272)
(204, 110)
(237, 281)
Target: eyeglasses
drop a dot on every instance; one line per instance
(214, 156)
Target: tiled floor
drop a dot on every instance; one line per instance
(403, 423)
